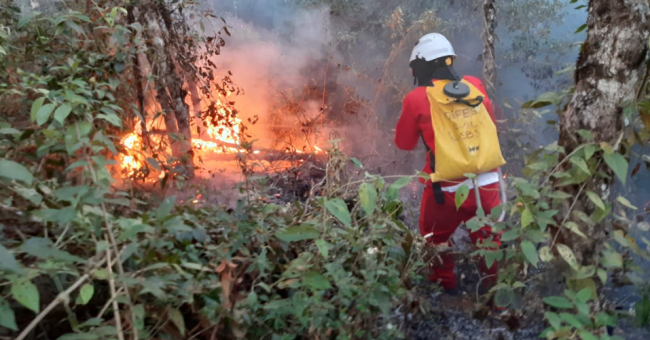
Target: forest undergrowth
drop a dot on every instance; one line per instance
(335, 254)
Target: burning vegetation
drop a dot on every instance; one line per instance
(219, 139)
(106, 102)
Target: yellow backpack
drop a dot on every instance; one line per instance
(465, 135)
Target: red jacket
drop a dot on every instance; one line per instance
(416, 120)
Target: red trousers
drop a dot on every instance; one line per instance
(443, 219)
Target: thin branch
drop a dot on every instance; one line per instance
(62, 297)
(116, 308)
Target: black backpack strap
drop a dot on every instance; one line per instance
(437, 188)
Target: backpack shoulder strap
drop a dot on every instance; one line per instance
(437, 188)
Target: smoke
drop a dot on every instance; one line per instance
(282, 52)
(273, 63)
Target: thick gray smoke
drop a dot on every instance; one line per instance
(273, 63)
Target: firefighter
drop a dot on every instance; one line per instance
(432, 61)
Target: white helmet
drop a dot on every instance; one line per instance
(432, 46)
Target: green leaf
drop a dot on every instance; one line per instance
(7, 316)
(177, 318)
(83, 336)
(620, 237)
(607, 148)
(12, 170)
(589, 151)
(316, 281)
(581, 28)
(557, 302)
(509, 235)
(642, 311)
(252, 299)
(26, 293)
(545, 254)
(625, 202)
(491, 256)
(586, 335)
(36, 106)
(580, 163)
(526, 218)
(139, 314)
(545, 218)
(544, 99)
(461, 195)
(612, 259)
(618, 164)
(86, 293)
(584, 295)
(596, 199)
(495, 213)
(600, 214)
(586, 134)
(101, 274)
(605, 319)
(528, 248)
(112, 118)
(8, 262)
(473, 225)
(62, 112)
(553, 319)
(602, 275)
(323, 248)
(504, 297)
(44, 113)
(165, 207)
(572, 320)
(30, 194)
(339, 209)
(84, 128)
(43, 248)
(392, 193)
(368, 197)
(567, 255)
(519, 284)
(356, 162)
(582, 216)
(8, 131)
(575, 229)
(298, 233)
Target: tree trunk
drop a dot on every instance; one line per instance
(155, 51)
(489, 62)
(195, 96)
(174, 85)
(608, 74)
(137, 77)
(169, 87)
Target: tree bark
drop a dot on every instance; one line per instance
(608, 74)
(137, 77)
(489, 62)
(169, 87)
(155, 51)
(174, 84)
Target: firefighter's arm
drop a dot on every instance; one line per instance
(407, 130)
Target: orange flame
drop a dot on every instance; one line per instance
(225, 129)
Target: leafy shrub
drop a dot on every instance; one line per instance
(75, 248)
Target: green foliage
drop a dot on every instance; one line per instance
(575, 315)
(329, 268)
(461, 195)
(553, 219)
